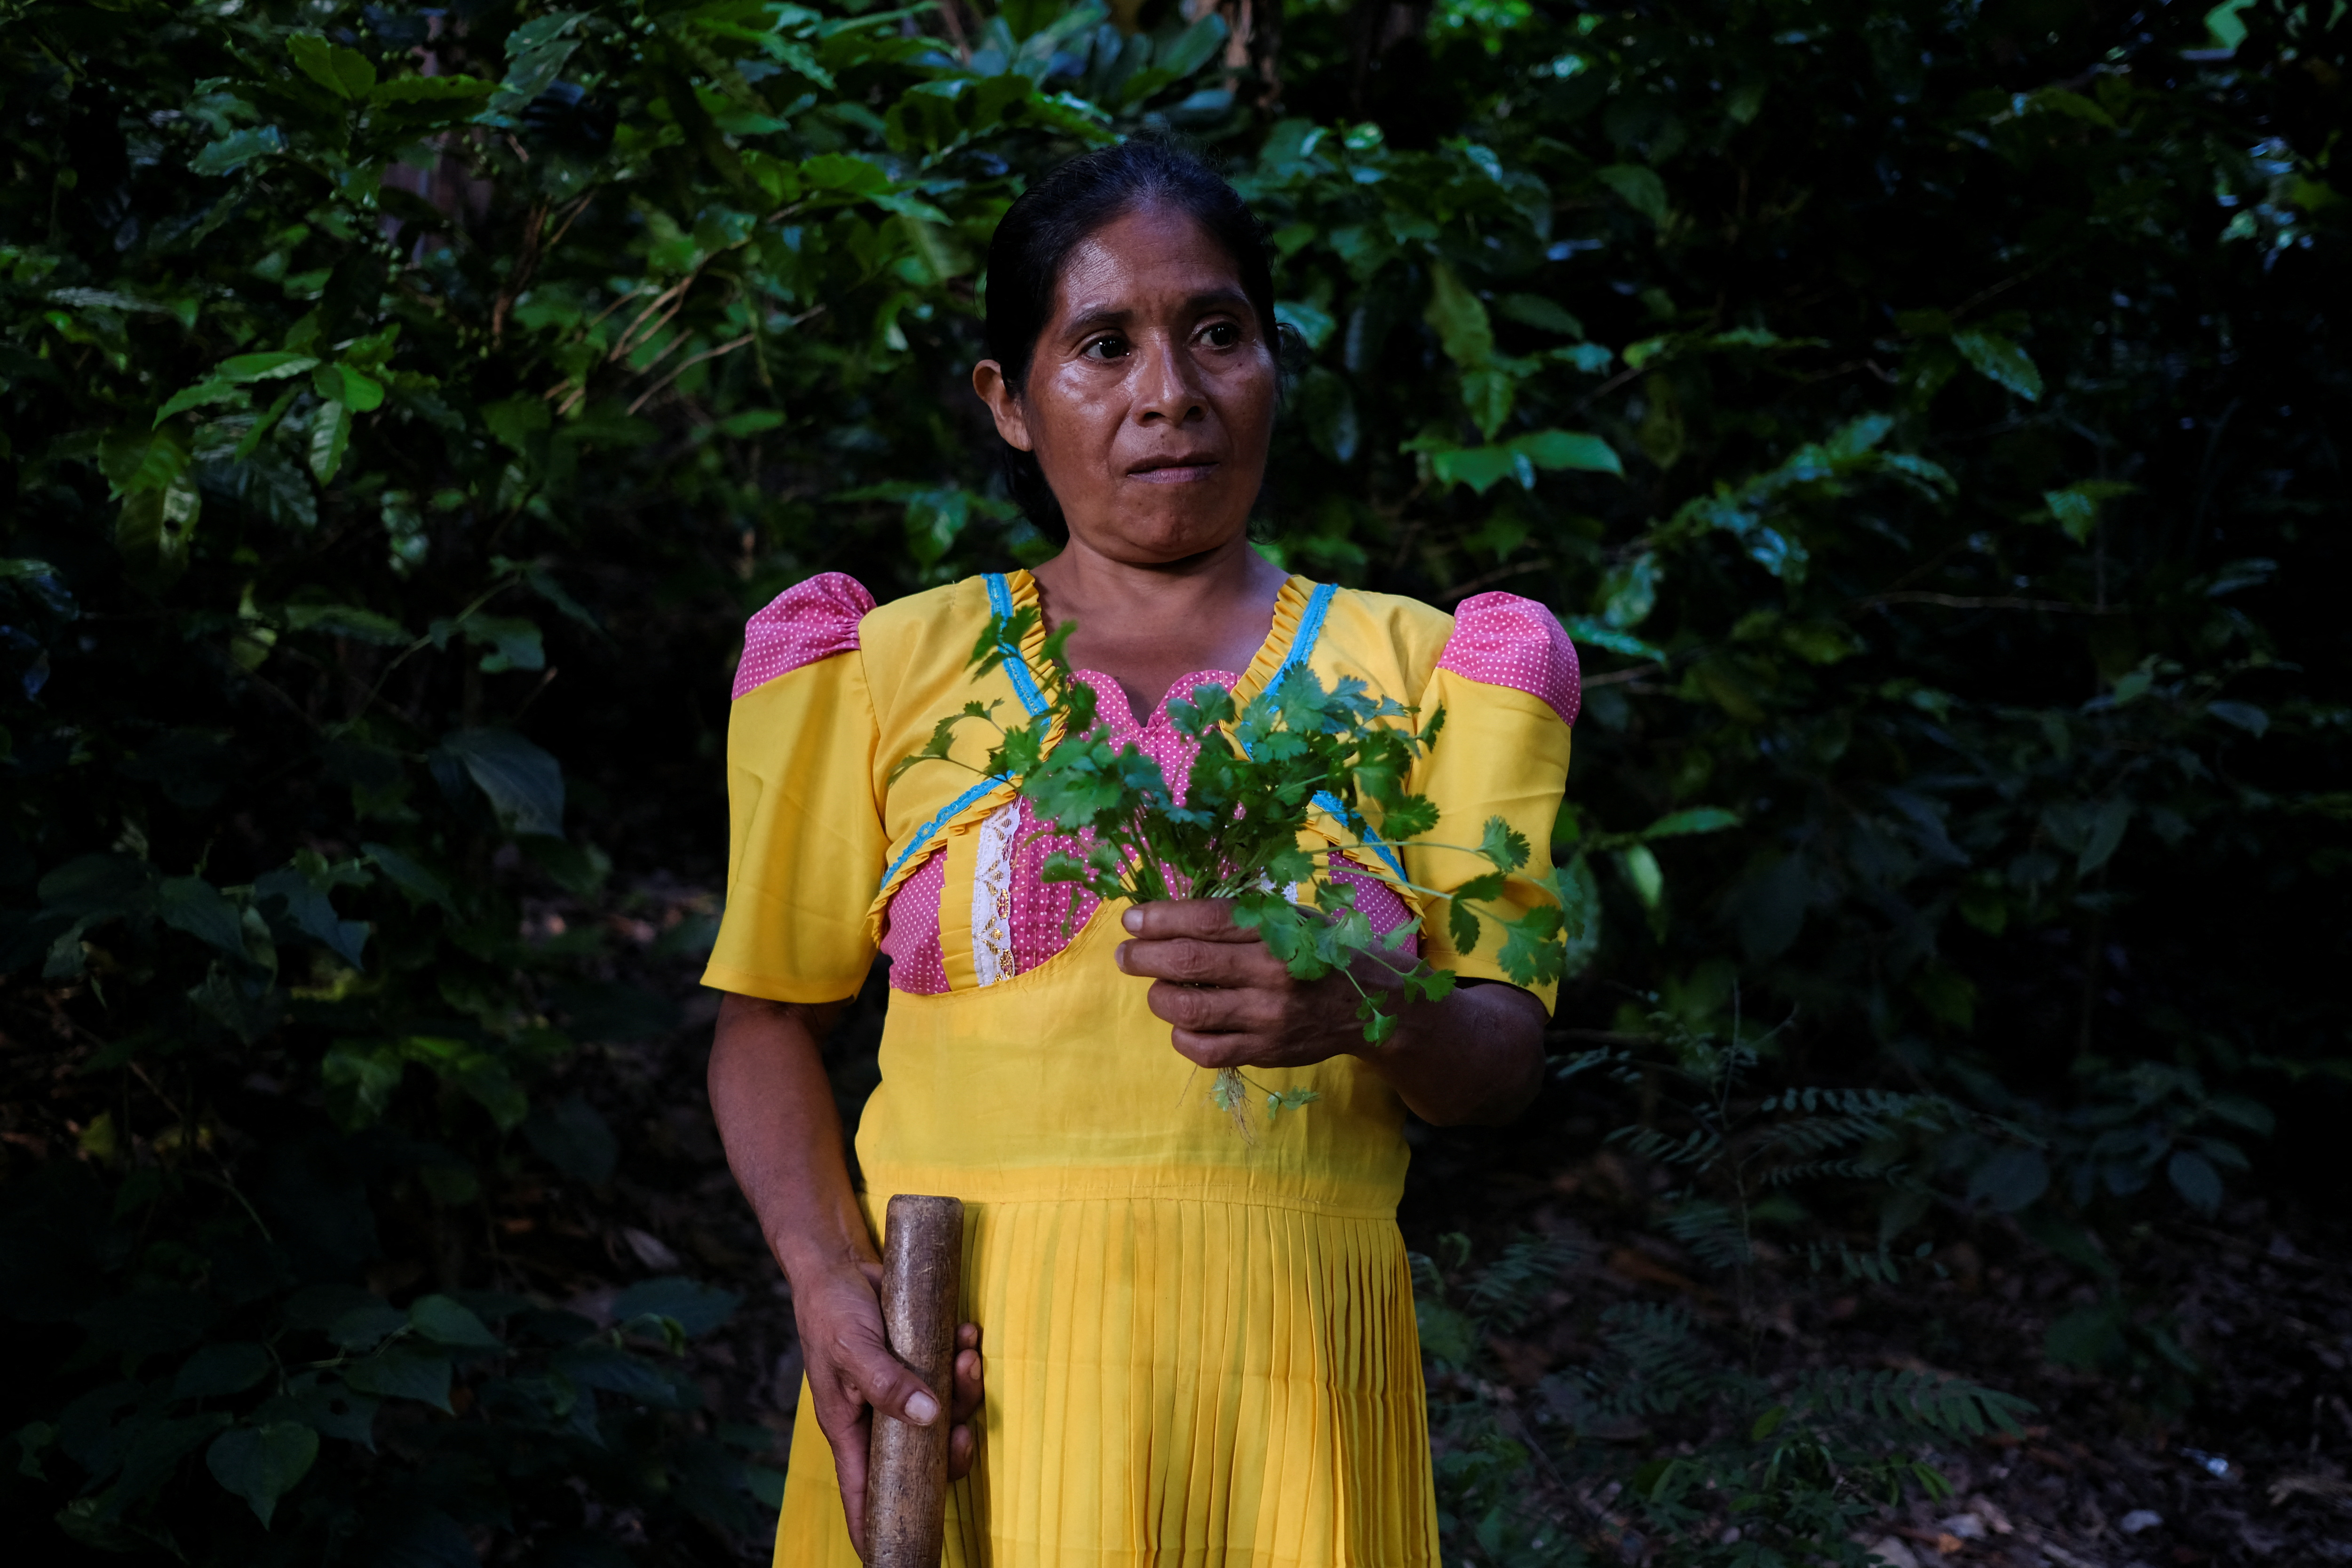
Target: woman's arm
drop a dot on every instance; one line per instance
(1475, 1056)
(776, 1117)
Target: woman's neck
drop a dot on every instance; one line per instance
(1146, 624)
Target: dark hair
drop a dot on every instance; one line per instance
(1051, 218)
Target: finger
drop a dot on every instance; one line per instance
(872, 1374)
(1208, 919)
(1221, 1051)
(969, 1389)
(1243, 1011)
(1196, 962)
(850, 1450)
(961, 1447)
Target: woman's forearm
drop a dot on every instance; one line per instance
(1474, 1055)
(776, 1117)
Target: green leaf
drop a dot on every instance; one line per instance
(346, 73)
(2000, 361)
(431, 90)
(696, 1308)
(402, 1371)
(273, 366)
(219, 1369)
(421, 885)
(847, 174)
(361, 391)
(1314, 327)
(359, 1082)
(331, 435)
(1461, 926)
(1638, 188)
(235, 150)
(1695, 819)
(1535, 311)
(2009, 1179)
(446, 1322)
(203, 392)
(195, 906)
(262, 1464)
(1643, 874)
(524, 784)
(1327, 407)
(514, 642)
(1505, 847)
(2106, 835)
(1579, 905)
(572, 1136)
(2192, 1175)
(2075, 508)
(515, 420)
(347, 621)
(1467, 337)
(1569, 449)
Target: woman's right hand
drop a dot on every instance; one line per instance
(852, 1373)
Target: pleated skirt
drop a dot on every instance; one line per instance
(1171, 1380)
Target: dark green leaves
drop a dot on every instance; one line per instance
(1998, 360)
(262, 1464)
(524, 785)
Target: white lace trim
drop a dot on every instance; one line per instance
(992, 896)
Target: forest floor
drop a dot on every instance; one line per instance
(2244, 1460)
(2247, 1460)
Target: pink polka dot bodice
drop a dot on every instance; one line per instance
(1043, 916)
(1498, 639)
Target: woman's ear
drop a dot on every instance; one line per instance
(1011, 421)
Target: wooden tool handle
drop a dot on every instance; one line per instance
(907, 1466)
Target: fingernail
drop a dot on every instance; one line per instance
(1132, 919)
(922, 1409)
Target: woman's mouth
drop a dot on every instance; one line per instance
(1181, 470)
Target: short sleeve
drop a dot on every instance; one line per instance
(807, 844)
(1508, 681)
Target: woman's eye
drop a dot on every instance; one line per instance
(1106, 349)
(1221, 334)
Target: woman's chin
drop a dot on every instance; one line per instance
(1168, 524)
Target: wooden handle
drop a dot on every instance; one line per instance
(907, 1466)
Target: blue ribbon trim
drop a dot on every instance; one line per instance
(1025, 684)
(947, 812)
(1302, 648)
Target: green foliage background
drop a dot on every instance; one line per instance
(1926, 417)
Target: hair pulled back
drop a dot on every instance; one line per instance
(1050, 219)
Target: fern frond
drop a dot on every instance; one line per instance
(1815, 1170)
(1949, 1407)
(1711, 1231)
(1696, 1148)
(1508, 1291)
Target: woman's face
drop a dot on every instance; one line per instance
(1151, 392)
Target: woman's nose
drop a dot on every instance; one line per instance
(1167, 387)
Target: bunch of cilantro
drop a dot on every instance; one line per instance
(1263, 775)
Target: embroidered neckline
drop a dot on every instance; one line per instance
(1297, 608)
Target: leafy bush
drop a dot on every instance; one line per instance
(1920, 414)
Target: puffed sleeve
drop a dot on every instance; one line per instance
(807, 844)
(1508, 681)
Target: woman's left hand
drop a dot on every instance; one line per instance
(1232, 1004)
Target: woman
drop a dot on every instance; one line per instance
(1201, 1350)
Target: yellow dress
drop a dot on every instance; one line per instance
(1200, 1350)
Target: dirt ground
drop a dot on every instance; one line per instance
(2253, 1470)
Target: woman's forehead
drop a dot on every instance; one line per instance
(1153, 256)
